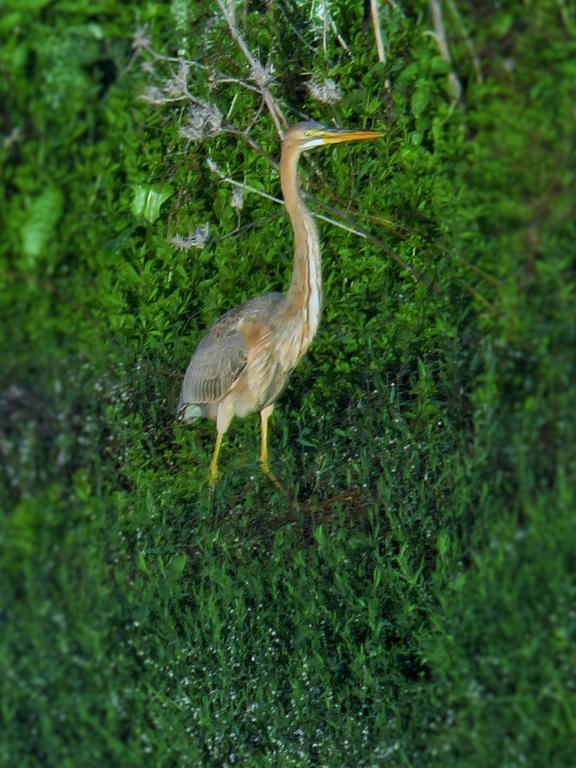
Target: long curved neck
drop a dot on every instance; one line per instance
(304, 299)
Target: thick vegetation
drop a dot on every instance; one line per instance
(413, 603)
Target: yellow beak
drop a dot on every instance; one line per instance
(337, 135)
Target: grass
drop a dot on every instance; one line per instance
(412, 603)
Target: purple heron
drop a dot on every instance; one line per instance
(243, 363)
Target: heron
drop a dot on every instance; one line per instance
(243, 363)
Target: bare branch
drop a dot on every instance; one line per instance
(215, 77)
(215, 168)
(231, 129)
(260, 75)
(354, 230)
(469, 44)
(564, 14)
(439, 35)
(375, 13)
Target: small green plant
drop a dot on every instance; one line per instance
(414, 605)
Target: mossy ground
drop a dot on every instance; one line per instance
(416, 606)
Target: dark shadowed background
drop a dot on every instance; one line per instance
(416, 605)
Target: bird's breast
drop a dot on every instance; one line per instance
(294, 339)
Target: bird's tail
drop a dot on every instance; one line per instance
(189, 411)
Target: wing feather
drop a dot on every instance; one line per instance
(214, 367)
(221, 356)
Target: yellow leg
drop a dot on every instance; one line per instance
(214, 463)
(264, 416)
(264, 466)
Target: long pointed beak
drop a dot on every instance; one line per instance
(337, 135)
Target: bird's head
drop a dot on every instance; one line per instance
(310, 134)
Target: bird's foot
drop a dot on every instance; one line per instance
(267, 472)
(214, 474)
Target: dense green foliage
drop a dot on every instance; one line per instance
(416, 605)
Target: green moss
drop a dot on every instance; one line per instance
(414, 607)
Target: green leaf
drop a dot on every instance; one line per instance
(177, 565)
(420, 98)
(501, 24)
(43, 216)
(10, 21)
(147, 201)
(26, 5)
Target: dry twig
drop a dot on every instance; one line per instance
(439, 35)
(260, 74)
(469, 44)
(375, 13)
(354, 230)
